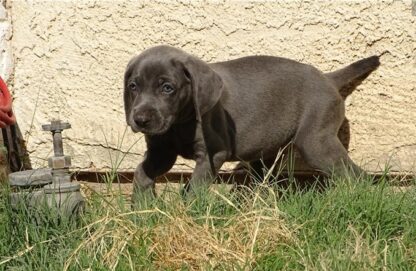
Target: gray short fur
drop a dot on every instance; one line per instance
(243, 109)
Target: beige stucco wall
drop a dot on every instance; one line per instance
(69, 60)
(6, 33)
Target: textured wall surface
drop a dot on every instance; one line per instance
(6, 58)
(70, 57)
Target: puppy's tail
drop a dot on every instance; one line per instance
(348, 78)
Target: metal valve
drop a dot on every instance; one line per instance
(53, 185)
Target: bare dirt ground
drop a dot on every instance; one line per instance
(126, 189)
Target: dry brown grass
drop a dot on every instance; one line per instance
(182, 239)
(243, 238)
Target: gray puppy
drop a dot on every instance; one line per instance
(244, 109)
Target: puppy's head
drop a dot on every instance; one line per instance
(164, 85)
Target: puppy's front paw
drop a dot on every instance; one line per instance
(143, 200)
(191, 192)
(187, 192)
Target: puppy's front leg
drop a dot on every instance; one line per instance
(205, 170)
(157, 161)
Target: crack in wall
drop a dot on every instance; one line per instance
(106, 147)
(405, 146)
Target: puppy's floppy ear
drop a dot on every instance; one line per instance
(207, 85)
(127, 94)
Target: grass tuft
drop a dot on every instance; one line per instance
(348, 225)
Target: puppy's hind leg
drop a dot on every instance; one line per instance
(319, 144)
(329, 155)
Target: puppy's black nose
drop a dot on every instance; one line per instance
(142, 120)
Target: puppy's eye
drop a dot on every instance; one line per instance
(132, 86)
(167, 88)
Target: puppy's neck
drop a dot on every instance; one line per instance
(186, 114)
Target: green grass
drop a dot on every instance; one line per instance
(350, 225)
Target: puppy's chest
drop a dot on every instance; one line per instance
(184, 143)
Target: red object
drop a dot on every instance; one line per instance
(6, 114)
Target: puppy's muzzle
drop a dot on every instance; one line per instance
(149, 121)
(144, 118)
(142, 121)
